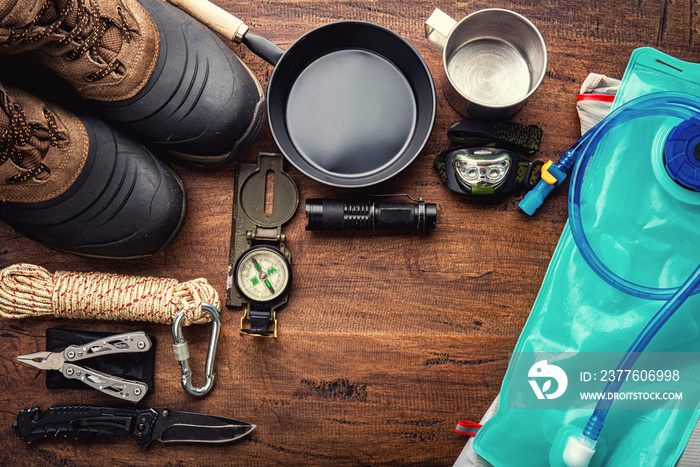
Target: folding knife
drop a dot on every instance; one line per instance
(145, 425)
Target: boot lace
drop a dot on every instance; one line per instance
(26, 144)
(83, 24)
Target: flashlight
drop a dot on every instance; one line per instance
(338, 214)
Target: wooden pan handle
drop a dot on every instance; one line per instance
(214, 17)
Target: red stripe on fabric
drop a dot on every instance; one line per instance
(467, 424)
(595, 97)
(467, 428)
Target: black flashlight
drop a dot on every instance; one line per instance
(338, 214)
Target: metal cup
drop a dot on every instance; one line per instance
(494, 60)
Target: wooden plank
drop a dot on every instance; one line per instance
(387, 340)
(315, 397)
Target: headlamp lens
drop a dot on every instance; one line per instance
(482, 167)
(472, 172)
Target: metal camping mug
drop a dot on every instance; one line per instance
(494, 60)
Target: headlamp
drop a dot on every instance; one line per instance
(486, 171)
(481, 169)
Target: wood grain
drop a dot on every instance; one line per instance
(387, 340)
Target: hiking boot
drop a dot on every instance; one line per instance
(163, 76)
(74, 184)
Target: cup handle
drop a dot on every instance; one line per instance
(438, 28)
(216, 18)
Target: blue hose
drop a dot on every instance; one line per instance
(654, 105)
(673, 104)
(595, 422)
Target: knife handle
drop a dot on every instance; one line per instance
(129, 342)
(79, 422)
(132, 391)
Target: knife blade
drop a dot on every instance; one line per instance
(145, 425)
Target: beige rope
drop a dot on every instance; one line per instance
(28, 290)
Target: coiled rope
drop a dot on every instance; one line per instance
(27, 290)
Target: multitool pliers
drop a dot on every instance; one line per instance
(114, 386)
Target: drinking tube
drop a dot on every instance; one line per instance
(578, 452)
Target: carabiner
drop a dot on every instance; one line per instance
(182, 351)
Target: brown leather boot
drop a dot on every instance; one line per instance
(186, 94)
(72, 183)
(91, 49)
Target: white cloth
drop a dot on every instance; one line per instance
(591, 111)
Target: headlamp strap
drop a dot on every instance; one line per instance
(505, 135)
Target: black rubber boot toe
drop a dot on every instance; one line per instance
(201, 104)
(124, 204)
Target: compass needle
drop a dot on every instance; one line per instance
(263, 275)
(264, 272)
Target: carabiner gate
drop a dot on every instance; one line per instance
(182, 351)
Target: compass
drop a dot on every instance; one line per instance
(260, 271)
(263, 274)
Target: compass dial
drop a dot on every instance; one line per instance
(262, 274)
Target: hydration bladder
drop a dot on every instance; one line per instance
(682, 161)
(639, 197)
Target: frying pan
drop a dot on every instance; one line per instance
(350, 103)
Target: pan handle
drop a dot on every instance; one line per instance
(263, 48)
(214, 17)
(230, 27)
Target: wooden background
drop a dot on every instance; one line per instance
(387, 340)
